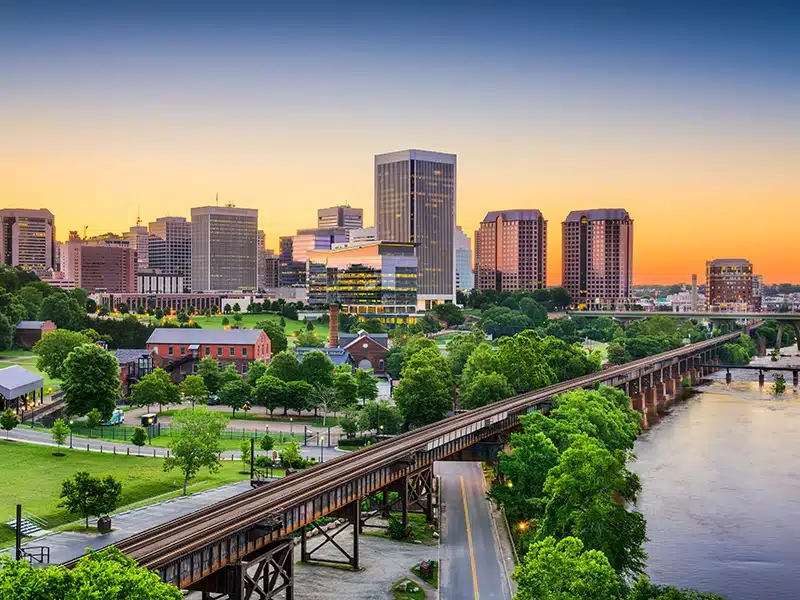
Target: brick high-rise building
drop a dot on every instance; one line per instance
(224, 248)
(170, 248)
(105, 268)
(511, 251)
(729, 285)
(27, 238)
(415, 202)
(598, 257)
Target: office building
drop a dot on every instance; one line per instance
(105, 268)
(262, 254)
(271, 270)
(138, 238)
(27, 238)
(307, 240)
(729, 285)
(152, 281)
(170, 248)
(292, 272)
(465, 276)
(758, 291)
(598, 257)
(379, 279)
(340, 216)
(511, 251)
(364, 235)
(415, 202)
(224, 248)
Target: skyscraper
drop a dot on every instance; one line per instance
(511, 251)
(106, 268)
(729, 284)
(170, 247)
(598, 257)
(224, 248)
(340, 216)
(465, 278)
(139, 239)
(415, 201)
(27, 238)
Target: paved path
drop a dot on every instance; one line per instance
(471, 566)
(44, 438)
(67, 545)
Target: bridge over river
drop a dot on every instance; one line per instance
(241, 548)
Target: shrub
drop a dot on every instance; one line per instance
(395, 529)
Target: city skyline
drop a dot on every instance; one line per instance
(689, 128)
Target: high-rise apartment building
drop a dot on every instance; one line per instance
(598, 257)
(415, 201)
(465, 277)
(224, 248)
(170, 248)
(27, 238)
(105, 268)
(729, 285)
(340, 216)
(511, 251)
(272, 270)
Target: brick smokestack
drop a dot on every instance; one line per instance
(333, 340)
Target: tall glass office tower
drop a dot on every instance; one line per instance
(415, 201)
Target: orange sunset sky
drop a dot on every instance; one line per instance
(702, 148)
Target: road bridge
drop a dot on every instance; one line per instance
(795, 371)
(242, 548)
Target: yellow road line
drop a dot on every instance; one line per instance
(469, 541)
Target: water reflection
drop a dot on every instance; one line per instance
(721, 490)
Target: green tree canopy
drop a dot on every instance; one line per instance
(298, 394)
(425, 392)
(367, 385)
(270, 392)
(316, 369)
(276, 335)
(309, 339)
(64, 311)
(54, 347)
(235, 394)
(88, 496)
(346, 387)
(521, 360)
(195, 442)
(6, 333)
(449, 313)
(155, 388)
(563, 570)
(380, 417)
(255, 371)
(208, 369)
(90, 380)
(486, 388)
(642, 589)
(285, 366)
(8, 420)
(193, 389)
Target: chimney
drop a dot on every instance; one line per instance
(333, 339)
(694, 293)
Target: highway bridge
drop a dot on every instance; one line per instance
(242, 548)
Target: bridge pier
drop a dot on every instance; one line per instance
(795, 379)
(761, 379)
(351, 512)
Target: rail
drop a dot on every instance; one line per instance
(166, 543)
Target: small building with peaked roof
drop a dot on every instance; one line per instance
(28, 333)
(368, 350)
(18, 387)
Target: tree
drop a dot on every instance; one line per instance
(380, 417)
(297, 395)
(348, 422)
(155, 388)
(523, 363)
(270, 392)
(430, 324)
(244, 454)
(644, 590)
(284, 365)
(139, 437)
(309, 339)
(59, 432)
(183, 317)
(31, 298)
(238, 318)
(6, 333)
(90, 380)
(501, 321)
(449, 313)
(123, 309)
(8, 420)
(229, 374)
(617, 354)
(394, 361)
(94, 576)
(459, 349)
(208, 369)
(93, 419)
(255, 371)
(236, 307)
(267, 443)
(54, 347)
(291, 457)
(235, 394)
(425, 392)
(226, 321)
(309, 326)
(276, 335)
(367, 385)
(371, 325)
(316, 368)
(64, 311)
(585, 496)
(87, 495)
(193, 389)
(486, 388)
(346, 386)
(564, 571)
(195, 442)
(325, 398)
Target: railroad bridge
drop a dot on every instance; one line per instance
(242, 548)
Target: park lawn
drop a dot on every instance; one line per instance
(27, 360)
(32, 477)
(16, 353)
(249, 321)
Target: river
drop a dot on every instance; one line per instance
(721, 489)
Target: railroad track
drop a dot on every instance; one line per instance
(167, 542)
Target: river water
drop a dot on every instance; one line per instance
(721, 489)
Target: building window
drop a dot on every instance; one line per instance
(183, 350)
(219, 350)
(232, 351)
(244, 351)
(208, 351)
(169, 350)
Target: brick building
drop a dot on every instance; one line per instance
(30, 332)
(369, 350)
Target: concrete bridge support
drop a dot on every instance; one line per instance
(779, 339)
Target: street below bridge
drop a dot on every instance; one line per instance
(472, 565)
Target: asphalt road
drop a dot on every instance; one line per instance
(471, 567)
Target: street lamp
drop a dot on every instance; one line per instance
(321, 447)
(71, 422)
(291, 431)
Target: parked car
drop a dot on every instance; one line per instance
(212, 400)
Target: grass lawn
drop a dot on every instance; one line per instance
(249, 321)
(434, 581)
(16, 353)
(419, 531)
(32, 477)
(259, 415)
(27, 360)
(402, 594)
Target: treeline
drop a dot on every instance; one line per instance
(653, 335)
(552, 298)
(569, 495)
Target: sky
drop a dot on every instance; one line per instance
(687, 114)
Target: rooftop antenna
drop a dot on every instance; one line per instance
(138, 215)
(217, 198)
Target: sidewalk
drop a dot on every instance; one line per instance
(67, 545)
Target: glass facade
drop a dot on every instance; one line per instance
(380, 277)
(27, 238)
(170, 248)
(224, 248)
(465, 278)
(415, 202)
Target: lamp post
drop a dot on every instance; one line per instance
(71, 422)
(321, 447)
(291, 430)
